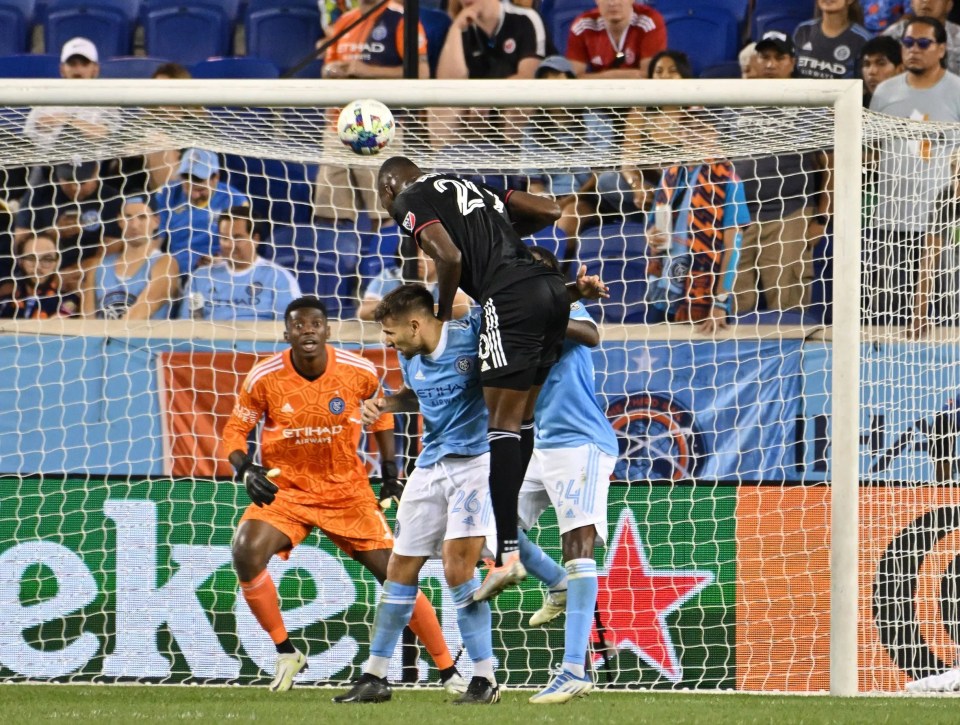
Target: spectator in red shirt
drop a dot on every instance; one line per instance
(617, 40)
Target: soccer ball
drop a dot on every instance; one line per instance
(365, 126)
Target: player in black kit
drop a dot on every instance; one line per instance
(473, 232)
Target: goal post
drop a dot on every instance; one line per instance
(286, 121)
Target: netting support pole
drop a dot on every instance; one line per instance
(845, 396)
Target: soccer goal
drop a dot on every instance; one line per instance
(784, 515)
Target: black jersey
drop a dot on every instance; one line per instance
(475, 216)
(520, 34)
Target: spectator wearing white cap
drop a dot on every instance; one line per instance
(190, 207)
(46, 125)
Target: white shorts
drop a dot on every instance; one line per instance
(575, 481)
(448, 500)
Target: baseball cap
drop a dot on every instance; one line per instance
(199, 163)
(556, 63)
(79, 46)
(780, 42)
(78, 171)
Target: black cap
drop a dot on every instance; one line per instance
(83, 171)
(781, 42)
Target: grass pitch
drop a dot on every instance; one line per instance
(131, 704)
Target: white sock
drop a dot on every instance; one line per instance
(560, 587)
(377, 666)
(574, 669)
(484, 668)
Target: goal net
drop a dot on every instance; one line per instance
(725, 562)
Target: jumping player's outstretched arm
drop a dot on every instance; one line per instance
(435, 241)
(530, 213)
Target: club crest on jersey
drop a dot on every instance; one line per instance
(464, 364)
(409, 221)
(337, 405)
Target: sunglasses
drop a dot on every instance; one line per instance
(921, 43)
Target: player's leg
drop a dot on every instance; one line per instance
(254, 544)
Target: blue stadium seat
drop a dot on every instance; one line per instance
(786, 21)
(107, 26)
(706, 34)
(230, 8)
(737, 8)
(30, 66)
(558, 16)
(324, 258)
(436, 24)
(378, 249)
(255, 5)
(16, 20)
(617, 252)
(239, 67)
(798, 7)
(727, 69)
(552, 239)
(312, 70)
(281, 191)
(130, 67)
(129, 8)
(186, 33)
(283, 35)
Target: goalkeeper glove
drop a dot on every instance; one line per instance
(257, 480)
(390, 488)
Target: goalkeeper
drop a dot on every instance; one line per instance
(309, 397)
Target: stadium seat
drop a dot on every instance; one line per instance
(558, 16)
(186, 33)
(255, 5)
(798, 7)
(324, 258)
(16, 21)
(240, 67)
(314, 69)
(378, 249)
(552, 239)
(230, 8)
(130, 67)
(617, 252)
(107, 26)
(737, 8)
(727, 69)
(280, 191)
(706, 34)
(30, 66)
(436, 24)
(786, 21)
(283, 35)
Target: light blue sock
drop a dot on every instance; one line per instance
(536, 562)
(581, 603)
(474, 620)
(393, 614)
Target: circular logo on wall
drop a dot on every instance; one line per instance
(337, 405)
(841, 52)
(918, 583)
(658, 439)
(464, 364)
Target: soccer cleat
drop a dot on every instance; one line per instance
(480, 692)
(948, 681)
(554, 604)
(368, 688)
(288, 666)
(454, 683)
(500, 577)
(563, 687)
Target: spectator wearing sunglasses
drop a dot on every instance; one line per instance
(939, 10)
(911, 170)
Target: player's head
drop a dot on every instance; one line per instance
(544, 255)
(395, 175)
(306, 327)
(407, 320)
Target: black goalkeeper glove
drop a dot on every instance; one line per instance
(257, 480)
(390, 488)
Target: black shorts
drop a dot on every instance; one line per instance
(522, 332)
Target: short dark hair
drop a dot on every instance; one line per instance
(307, 302)
(882, 45)
(244, 213)
(403, 300)
(939, 31)
(172, 70)
(679, 59)
(546, 257)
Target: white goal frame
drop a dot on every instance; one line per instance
(844, 97)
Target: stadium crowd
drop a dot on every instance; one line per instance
(182, 233)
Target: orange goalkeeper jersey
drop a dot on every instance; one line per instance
(311, 429)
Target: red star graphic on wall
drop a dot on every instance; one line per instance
(634, 600)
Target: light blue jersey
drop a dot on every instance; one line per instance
(447, 383)
(260, 292)
(115, 295)
(567, 413)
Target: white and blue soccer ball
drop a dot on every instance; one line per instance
(366, 126)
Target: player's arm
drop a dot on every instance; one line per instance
(435, 241)
(587, 286)
(403, 401)
(255, 478)
(530, 213)
(584, 332)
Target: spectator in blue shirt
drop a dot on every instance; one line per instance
(189, 209)
(239, 285)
